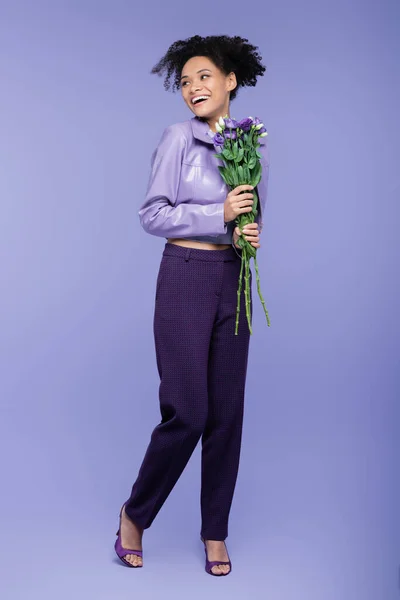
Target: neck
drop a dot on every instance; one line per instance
(212, 120)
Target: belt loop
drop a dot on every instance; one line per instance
(187, 255)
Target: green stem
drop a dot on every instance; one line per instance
(259, 291)
(247, 289)
(239, 294)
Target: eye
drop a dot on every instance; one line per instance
(201, 76)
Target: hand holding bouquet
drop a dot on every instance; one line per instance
(237, 142)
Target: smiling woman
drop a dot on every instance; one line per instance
(201, 363)
(206, 89)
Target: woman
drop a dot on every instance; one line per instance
(201, 363)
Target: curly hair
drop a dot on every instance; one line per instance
(227, 53)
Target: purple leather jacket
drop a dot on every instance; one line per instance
(186, 193)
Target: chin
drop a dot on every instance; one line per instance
(206, 116)
(203, 113)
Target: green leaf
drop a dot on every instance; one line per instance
(228, 176)
(240, 155)
(223, 172)
(256, 175)
(227, 154)
(235, 180)
(240, 174)
(231, 180)
(252, 161)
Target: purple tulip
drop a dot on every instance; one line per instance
(256, 121)
(218, 139)
(262, 130)
(245, 124)
(230, 135)
(231, 123)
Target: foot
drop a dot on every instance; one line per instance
(216, 550)
(131, 537)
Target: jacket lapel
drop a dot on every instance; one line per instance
(200, 129)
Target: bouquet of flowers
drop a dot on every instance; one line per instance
(237, 143)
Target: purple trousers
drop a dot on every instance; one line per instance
(202, 367)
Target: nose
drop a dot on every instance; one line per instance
(195, 87)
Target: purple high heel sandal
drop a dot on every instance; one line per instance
(121, 551)
(213, 563)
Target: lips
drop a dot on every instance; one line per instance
(197, 100)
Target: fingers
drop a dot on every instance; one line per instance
(244, 198)
(241, 197)
(250, 234)
(253, 225)
(251, 229)
(242, 188)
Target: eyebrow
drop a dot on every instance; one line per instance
(183, 77)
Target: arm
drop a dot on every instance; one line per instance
(159, 214)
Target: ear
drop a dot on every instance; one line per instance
(232, 81)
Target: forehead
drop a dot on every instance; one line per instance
(196, 63)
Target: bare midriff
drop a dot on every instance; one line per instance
(196, 244)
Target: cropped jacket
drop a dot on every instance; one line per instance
(185, 193)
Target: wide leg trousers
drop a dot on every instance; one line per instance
(202, 367)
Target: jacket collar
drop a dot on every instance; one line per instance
(200, 129)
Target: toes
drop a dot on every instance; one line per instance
(131, 559)
(220, 569)
(216, 570)
(134, 560)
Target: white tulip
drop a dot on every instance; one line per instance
(221, 122)
(218, 127)
(263, 134)
(257, 127)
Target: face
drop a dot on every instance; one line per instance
(200, 77)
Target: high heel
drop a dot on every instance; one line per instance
(121, 551)
(215, 563)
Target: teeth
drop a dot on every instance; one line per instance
(199, 98)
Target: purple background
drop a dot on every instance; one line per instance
(315, 514)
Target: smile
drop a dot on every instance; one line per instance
(199, 99)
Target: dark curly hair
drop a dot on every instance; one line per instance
(227, 53)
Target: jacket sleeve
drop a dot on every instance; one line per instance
(159, 214)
